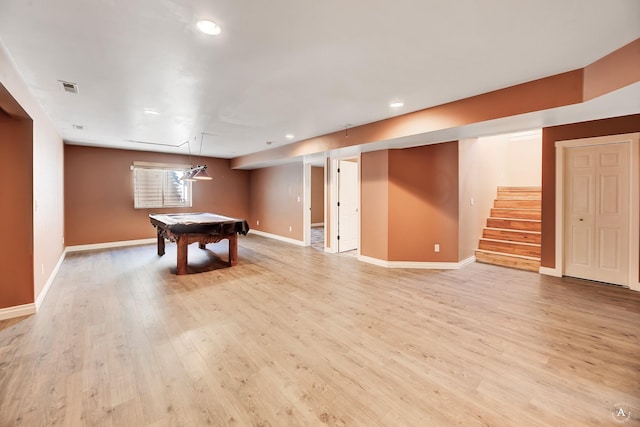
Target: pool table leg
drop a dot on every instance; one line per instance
(233, 249)
(160, 243)
(183, 248)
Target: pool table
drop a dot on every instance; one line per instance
(187, 228)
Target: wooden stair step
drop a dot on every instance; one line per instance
(506, 247)
(517, 203)
(521, 236)
(515, 224)
(519, 195)
(522, 193)
(512, 236)
(506, 260)
(516, 213)
(529, 189)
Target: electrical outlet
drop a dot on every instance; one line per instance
(258, 222)
(436, 247)
(290, 228)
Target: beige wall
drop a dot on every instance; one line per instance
(317, 195)
(99, 193)
(45, 217)
(523, 161)
(486, 163)
(480, 166)
(276, 200)
(511, 161)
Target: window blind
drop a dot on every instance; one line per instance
(157, 187)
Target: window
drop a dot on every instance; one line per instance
(160, 186)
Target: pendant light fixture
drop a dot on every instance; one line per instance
(188, 175)
(198, 173)
(201, 173)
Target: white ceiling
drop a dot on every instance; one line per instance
(306, 67)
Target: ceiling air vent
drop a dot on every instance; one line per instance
(69, 87)
(78, 127)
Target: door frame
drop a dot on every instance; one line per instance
(333, 200)
(306, 206)
(634, 198)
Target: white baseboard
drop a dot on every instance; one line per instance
(43, 293)
(317, 224)
(79, 248)
(276, 237)
(17, 311)
(32, 308)
(550, 271)
(418, 265)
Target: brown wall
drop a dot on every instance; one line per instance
(16, 188)
(595, 128)
(614, 71)
(99, 193)
(317, 195)
(423, 203)
(374, 204)
(276, 200)
(409, 202)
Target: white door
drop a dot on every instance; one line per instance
(348, 203)
(597, 212)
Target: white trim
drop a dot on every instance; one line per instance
(417, 265)
(107, 245)
(317, 224)
(17, 311)
(634, 203)
(306, 204)
(550, 271)
(276, 237)
(334, 196)
(332, 183)
(152, 165)
(45, 290)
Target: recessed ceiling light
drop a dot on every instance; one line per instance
(289, 136)
(151, 112)
(396, 104)
(209, 27)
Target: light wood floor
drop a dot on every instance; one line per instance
(294, 336)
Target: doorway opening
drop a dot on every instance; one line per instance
(317, 208)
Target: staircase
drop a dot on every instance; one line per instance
(512, 235)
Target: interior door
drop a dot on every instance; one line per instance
(597, 212)
(348, 204)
